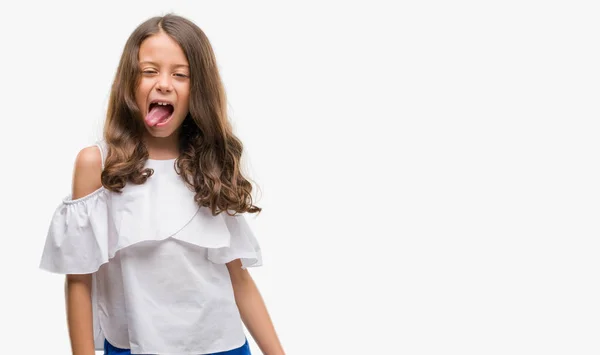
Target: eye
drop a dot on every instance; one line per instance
(148, 71)
(181, 75)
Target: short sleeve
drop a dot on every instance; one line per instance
(76, 242)
(243, 244)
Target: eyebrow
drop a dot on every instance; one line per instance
(174, 65)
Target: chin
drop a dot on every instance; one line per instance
(160, 134)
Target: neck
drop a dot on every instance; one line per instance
(162, 147)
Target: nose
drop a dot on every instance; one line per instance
(164, 83)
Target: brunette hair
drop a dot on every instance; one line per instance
(210, 153)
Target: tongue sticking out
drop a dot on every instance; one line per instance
(158, 114)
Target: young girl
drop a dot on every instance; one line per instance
(152, 238)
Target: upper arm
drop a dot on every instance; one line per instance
(86, 179)
(236, 273)
(87, 172)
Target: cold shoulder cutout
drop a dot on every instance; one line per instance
(89, 164)
(148, 248)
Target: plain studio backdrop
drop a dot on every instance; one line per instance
(428, 170)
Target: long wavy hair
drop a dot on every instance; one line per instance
(210, 156)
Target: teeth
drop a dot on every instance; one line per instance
(162, 103)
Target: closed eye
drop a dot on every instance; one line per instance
(154, 72)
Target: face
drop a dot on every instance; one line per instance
(164, 87)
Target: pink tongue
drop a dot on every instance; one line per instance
(157, 114)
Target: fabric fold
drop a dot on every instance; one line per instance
(243, 244)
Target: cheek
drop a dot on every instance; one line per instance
(184, 96)
(141, 93)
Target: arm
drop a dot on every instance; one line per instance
(86, 179)
(253, 310)
(79, 313)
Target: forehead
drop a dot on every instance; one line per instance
(161, 49)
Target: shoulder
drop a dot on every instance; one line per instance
(89, 157)
(87, 171)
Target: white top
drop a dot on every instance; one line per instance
(159, 280)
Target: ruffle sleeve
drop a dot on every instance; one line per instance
(243, 244)
(87, 232)
(77, 240)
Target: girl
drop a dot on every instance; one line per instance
(152, 238)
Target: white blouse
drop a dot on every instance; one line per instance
(159, 280)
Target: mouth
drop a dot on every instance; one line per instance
(159, 113)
